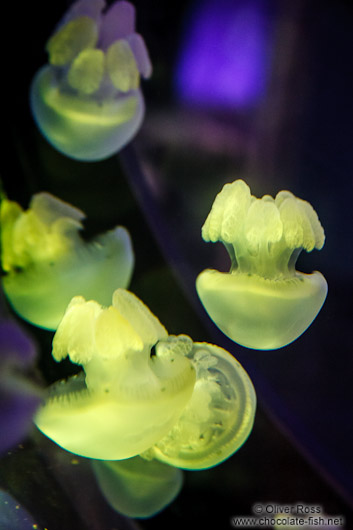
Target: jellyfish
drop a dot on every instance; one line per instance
(263, 303)
(143, 392)
(87, 101)
(137, 487)
(46, 262)
(19, 396)
(128, 397)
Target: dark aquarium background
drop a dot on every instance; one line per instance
(252, 89)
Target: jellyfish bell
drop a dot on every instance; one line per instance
(81, 128)
(257, 315)
(46, 262)
(126, 399)
(87, 101)
(263, 302)
(219, 416)
(137, 487)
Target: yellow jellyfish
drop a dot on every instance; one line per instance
(87, 102)
(263, 302)
(142, 392)
(127, 398)
(137, 487)
(46, 262)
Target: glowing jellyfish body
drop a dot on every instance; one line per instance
(128, 399)
(87, 102)
(186, 404)
(263, 302)
(136, 487)
(47, 262)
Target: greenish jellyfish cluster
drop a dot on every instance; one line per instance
(263, 302)
(145, 405)
(146, 402)
(46, 262)
(87, 101)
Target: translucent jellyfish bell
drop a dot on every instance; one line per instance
(46, 262)
(263, 302)
(137, 487)
(127, 398)
(87, 102)
(219, 416)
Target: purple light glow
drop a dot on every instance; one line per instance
(226, 53)
(19, 397)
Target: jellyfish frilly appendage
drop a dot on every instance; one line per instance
(186, 404)
(46, 262)
(263, 302)
(126, 399)
(87, 101)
